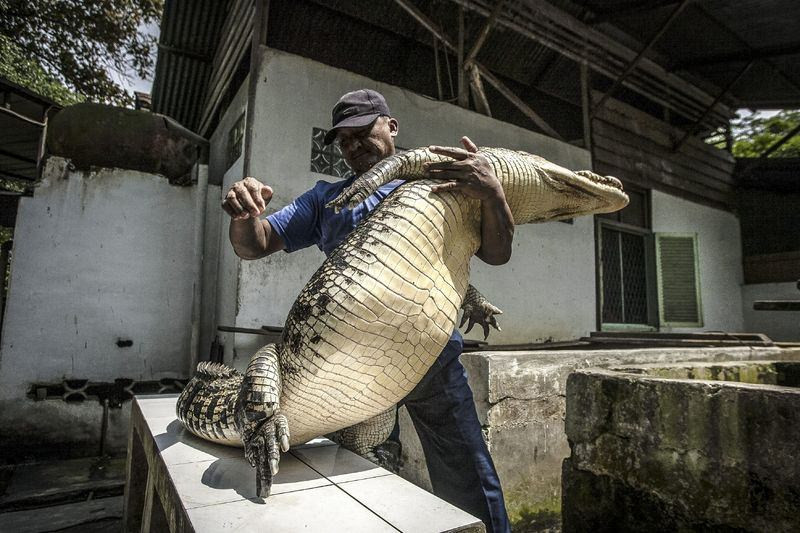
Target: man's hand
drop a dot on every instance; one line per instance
(250, 236)
(470, 173)
(247, 198)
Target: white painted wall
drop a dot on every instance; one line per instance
(547, 290)
(720, 251)
(98, 256)
(778, 325)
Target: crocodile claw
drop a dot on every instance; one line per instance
(262, 447)
(482, 313)
(348, 198)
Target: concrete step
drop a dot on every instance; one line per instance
(32, 485)
(104, 514)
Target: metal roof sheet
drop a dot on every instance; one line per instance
(380, 40)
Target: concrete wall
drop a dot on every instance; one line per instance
(553, 262)
(98, 257)
(520, 400)
(720, 252)
(654, 454)
(778, 325)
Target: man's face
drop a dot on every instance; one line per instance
(363, 147)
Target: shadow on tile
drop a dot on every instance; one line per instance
(177, 433)
(238, 475)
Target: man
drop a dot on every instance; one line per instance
(441, 406)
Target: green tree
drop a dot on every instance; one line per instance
(754, 133)
(84, 44)
(22, 70)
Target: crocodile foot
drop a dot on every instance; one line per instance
(389, 455)
(480, 312)
(262, 447)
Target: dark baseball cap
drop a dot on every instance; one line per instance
(356, 109)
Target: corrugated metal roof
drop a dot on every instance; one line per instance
(723, 29)
(380, 40)
(189, 35)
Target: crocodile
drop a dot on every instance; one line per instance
(374, 317)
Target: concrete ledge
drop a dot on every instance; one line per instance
(178, 482)
(671, 448)
(520, 398)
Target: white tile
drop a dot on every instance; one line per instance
(314, 443)
(322, 509)
(337, 464)
(408, 507)
(226, 480)
(157, 405)
(178, 446)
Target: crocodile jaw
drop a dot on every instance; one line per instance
(572, 194)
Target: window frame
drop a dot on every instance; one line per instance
(651, 293)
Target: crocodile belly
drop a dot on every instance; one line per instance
(376, 315)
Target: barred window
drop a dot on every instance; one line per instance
(624, 276)
(626, 271)
(326, 159)
(235, 140)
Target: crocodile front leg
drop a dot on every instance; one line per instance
(478, 310)
(264, 430)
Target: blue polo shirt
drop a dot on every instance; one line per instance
(307, 221)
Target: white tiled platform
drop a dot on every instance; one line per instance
(178, 482)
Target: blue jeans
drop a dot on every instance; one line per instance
(459, 464)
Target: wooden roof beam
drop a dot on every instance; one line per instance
(694, 127)
(622, 77)
(752, 54)
(627, 9)
(514, 99)
(432, 27)
(490, 22)
(558, 30)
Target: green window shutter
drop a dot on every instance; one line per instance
(678, 280)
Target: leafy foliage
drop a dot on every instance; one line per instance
(78, 42)
(754, 133)
(22, 70)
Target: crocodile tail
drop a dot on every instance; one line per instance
(208, 371)
(405, 165)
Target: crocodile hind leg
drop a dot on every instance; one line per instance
(366, 438)
(264, 430)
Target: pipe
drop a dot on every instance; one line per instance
(200, 206)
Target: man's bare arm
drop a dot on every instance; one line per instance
(472, 174)
(251, 237)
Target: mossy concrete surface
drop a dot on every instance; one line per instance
(520, 398)
(653, 450)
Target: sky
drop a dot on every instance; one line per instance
(135, 83)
